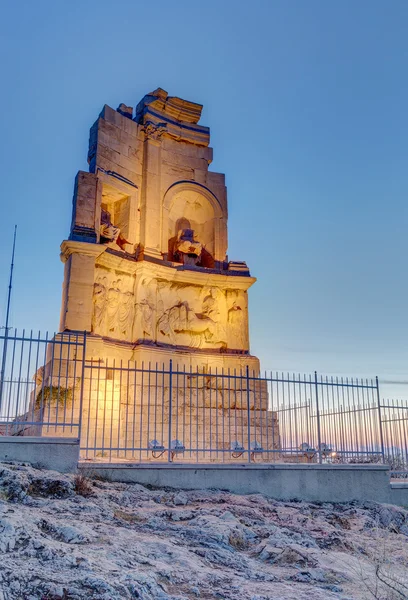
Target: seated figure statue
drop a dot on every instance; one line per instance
(187, 248)
(109, 232)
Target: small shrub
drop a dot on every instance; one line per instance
(237, 541)
(82, 486)
(130, 518)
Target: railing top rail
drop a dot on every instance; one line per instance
(226, 374)
(64, 338)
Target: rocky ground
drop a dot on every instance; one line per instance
(64, 537)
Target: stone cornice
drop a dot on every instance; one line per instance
(175, 274)
(69, 247)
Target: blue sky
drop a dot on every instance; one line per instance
(307, 104)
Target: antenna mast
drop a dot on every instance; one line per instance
(11, 281)
(6, 327)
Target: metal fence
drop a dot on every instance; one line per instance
(129, 412)
(41, 384)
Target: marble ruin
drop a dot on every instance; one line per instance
(146, 260)
(147, 274)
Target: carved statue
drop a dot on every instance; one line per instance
(99, 301)
(112, 306)
(187, 249)
(109, 232)
(146, 317)
(236, 322)
(126, 313)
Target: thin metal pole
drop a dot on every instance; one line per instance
(170, 405)
(319, 438)
(81, 393)
(249, 412)
(379, 419)
(6, 327)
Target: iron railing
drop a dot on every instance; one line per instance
(148, 413)
(41, 384)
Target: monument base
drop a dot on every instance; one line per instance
(134, 402)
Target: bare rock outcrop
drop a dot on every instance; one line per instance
(66, 538)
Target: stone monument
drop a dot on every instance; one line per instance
(147, 274)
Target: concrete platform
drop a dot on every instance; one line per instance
(57, 454)
(312, 483)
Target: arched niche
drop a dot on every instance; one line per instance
(188, 204)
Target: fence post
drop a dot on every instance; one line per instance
(319, 436)
(3, 366)
(380, 419)
(248, 415)
(170, 405)
(81, 393)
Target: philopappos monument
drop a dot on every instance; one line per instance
(146, 266)
(147, 274)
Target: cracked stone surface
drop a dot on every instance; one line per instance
(124, 541)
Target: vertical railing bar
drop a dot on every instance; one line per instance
(64, 414)
(209, 381)
(184, 438)
(89, 403)
(343, 446)
(57, 400)
(295, 413)
(198, 414)
(98, 392)
(19, 377)
(370, 420)
(26, 404)
(170, 405)
(162, 407)
(380, 418)
(104, 409)
(272, 415)
(259, 384)
(248, 413)
(35, 381)
(319, 438)
(126, 440)
(223, 413)
(364, 417)
(112, 409)
(74, 384)
(141, 412)
(216, 412)
(191, 409)
(176, 436)
(148, 404)
(268, 454)
(120, 410)
(235, 409)
(9, 403)
(204, 379)
(81, 396)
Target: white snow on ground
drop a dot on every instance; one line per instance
(125, 541)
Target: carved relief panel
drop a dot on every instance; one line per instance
(155, 310)
(113, 305)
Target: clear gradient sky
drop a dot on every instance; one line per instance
(307, 103)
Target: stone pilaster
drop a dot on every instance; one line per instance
(85, 208)
(150, 226)
(77, 289)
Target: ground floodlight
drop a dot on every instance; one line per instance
(307, 450)
(237, 449)
(156, 448)
(325, 450)
(177, 447)
(256, 448)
